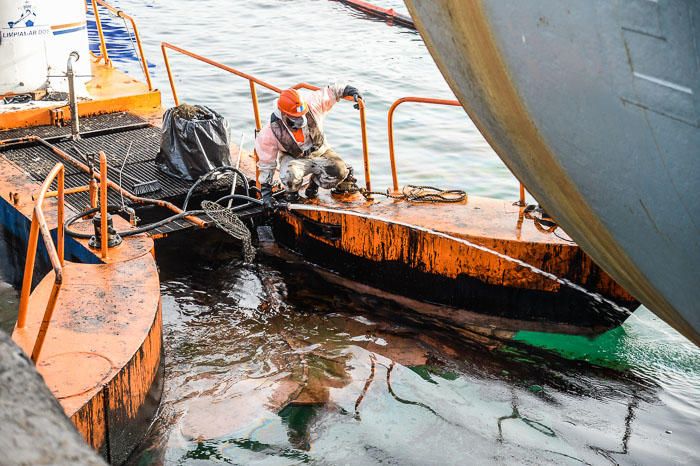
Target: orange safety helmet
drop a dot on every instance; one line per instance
(291, 103)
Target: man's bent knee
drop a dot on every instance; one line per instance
(292, 180)
(333, 171)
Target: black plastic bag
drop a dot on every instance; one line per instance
(194, 141)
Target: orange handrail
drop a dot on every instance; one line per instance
(390, 125)
(121, 14)
(55, 256)
(253, 81)
(100, 33)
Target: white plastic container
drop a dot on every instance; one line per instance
(36, 37)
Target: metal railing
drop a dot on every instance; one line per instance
(103, 45)
(390, 125)
(55, 256)
(254, 96)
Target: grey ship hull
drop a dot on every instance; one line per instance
(594, 106)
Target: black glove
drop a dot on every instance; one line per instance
(351, 91)
(269, 202)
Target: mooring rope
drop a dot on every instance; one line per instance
(415, 193)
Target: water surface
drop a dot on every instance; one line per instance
(270, 364)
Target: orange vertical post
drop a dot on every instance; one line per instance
(103, 205)
(258, 127)
(60, 227)
(392, 157)
(170, 73)
(365, 150)
(522, 195)
(103, 44)
(28, 273)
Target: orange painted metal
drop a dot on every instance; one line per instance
(121, 14)
(79, 189)
(258, 127)
(104, 237)
(253, 80)
(100, 33)
(365, 150)
(390, 130)
(390, 127)
(55, 256)
(486, 222)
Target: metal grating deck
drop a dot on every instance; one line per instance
(87, 124)
(141, 143)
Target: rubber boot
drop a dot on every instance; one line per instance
(311, 190)
(348, 185)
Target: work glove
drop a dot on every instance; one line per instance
(269, 202)
(351, 91)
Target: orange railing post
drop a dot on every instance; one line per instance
(55, 253)
(104, 236)
(170, 73)
(390, 123)
(103, 44)
(258, 127)
(365, 150)
(28, 273)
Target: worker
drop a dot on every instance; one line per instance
(295, 135)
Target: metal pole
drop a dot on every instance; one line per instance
(238, 166)
(392, 156)
(365, 150)
(170, 73)
(60, 228)
(28, 273)
(103, 204)
(72, 98)
(103, 45)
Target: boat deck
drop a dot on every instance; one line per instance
(128, 141)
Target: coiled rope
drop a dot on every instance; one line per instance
(415, 193)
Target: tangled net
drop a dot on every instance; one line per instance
(228, 221)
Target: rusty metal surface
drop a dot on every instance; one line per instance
(498, 225)
(580, 101)
(424, 266)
